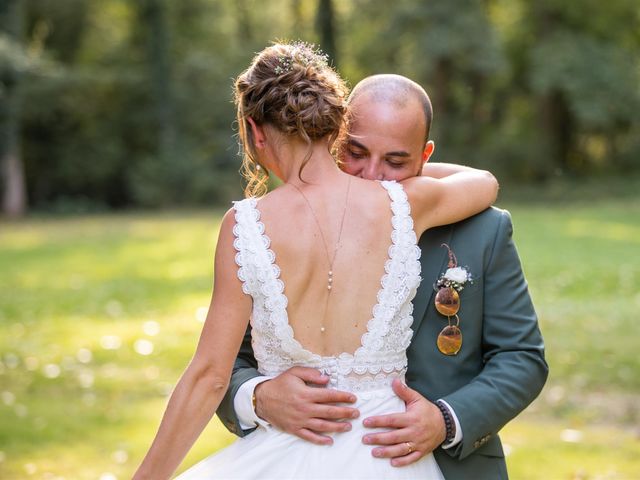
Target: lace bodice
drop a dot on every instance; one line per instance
(382, 352)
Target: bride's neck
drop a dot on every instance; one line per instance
(318, 162)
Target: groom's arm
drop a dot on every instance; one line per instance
(244, 369)
(515, 369)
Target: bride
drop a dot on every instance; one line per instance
(325, 266)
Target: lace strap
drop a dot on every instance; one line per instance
(399, 282)
(258, 272)
(252, 246)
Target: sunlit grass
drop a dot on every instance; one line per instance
(584, 272)
(543, 450)
(99, 316)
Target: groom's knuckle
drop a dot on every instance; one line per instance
(304, 410)
(314, 425)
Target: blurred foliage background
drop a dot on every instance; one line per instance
(125, 106)
(123, 103)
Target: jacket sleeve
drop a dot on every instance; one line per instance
(244, 368)
(515, 369)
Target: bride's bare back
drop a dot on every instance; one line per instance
(302, 258)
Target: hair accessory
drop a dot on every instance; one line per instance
(285, 65)
(303, 53)
(447, 302)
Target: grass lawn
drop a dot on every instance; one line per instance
(100, 314)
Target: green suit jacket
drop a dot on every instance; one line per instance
(500, 368)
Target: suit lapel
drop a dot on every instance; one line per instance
(434, 260)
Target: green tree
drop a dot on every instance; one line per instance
(326, 26)
(580, 72)
(122, 103)
(12, 62)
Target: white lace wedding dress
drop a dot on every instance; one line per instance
(270, 453)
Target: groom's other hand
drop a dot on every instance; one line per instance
(289, 403)
(420, 427)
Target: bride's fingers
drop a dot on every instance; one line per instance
(314, 437)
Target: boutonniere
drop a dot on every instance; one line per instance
(454, 277)
(447, 302)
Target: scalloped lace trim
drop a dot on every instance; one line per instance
(382, 352)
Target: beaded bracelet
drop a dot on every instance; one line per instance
(449, 424)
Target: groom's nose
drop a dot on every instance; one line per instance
(372, 171)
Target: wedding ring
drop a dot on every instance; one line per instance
(409, 447)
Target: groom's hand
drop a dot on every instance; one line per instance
(420, 427)
(290, 404)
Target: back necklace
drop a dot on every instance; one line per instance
(330, 258)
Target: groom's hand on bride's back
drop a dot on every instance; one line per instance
(292, 402)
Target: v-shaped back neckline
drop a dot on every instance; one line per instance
(276, 270)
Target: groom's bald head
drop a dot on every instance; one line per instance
(396, 91)
(388, 129)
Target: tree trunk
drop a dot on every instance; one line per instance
(557, 124)
(442, 102)
(556, 120)
(14, 198)
(244, 27)
(325, 25)
(478, 115)
(155, 16)
(296, 15)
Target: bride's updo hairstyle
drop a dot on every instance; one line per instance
(292, 88)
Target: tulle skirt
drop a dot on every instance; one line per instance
(268, 453)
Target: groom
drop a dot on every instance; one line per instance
(456, 404)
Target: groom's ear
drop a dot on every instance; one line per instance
(258, 133)
(429, 148)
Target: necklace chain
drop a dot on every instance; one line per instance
(330, 259)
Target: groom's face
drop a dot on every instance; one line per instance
(385, 140)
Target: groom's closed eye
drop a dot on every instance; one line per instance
(356, 150)
(357, 154)
(395, 163)
(398, 156)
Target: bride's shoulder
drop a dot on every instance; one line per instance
(229, 218)
(255, 203)
(226, 233)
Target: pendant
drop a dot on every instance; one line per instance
(450, 340)
(447, 301)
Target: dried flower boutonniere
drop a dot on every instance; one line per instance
(447, 302)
